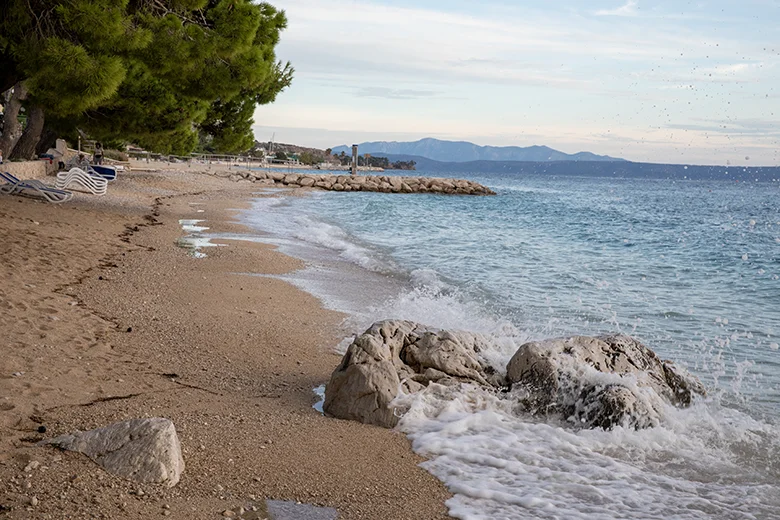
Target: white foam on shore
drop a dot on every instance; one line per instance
(191, 225)
(301, 235)
(336, 239)
(194, 241)
(704, 462)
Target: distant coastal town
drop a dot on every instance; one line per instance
(280, 153)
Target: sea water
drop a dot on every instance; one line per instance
(691, 268)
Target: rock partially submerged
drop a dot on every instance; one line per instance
(592, 381)
(143, 450)
(598, 381)
(394, 356)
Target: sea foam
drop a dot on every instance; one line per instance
(699, 463)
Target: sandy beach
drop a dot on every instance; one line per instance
(105, 318)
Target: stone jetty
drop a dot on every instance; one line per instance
(380, 183)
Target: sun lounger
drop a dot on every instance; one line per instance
(107, 172)
(80, 180)
(32, 188)
(9, 182)
(6, 186)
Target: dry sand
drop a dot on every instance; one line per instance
(104, 319)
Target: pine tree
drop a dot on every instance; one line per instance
(147, 71)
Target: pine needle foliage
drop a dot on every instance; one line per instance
(153, 72)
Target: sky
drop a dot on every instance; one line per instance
(665, 81)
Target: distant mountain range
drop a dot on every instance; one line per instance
(459, 157)
(462, 151)
(615, 169)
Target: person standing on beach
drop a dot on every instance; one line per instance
(98, 153)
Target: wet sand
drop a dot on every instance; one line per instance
(106, 319)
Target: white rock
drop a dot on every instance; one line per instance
(393, 355)
(143, 450)
(598, 381)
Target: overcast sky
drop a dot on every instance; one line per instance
(665, 81)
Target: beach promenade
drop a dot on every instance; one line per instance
(105, 319)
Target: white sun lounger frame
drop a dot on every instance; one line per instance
(78, 179)
(32, 188)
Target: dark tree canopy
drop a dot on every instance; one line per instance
(154, 72)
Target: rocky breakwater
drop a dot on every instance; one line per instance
(378, 183)
(590, 382)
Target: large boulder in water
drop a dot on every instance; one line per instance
(598, 381)
(393, 356)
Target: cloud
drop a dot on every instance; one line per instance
(735, 72)
(627, 9)
(431, 45)
(744, 128)
(684, 76)
(393, 93)
(556, 72)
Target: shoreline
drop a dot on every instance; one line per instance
(123, 323)
(157, 165)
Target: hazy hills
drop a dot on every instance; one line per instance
(462, 151)
(615, 169)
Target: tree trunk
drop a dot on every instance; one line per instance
(9, 76)
(11, 126)
(48, 140)
(25, 146)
